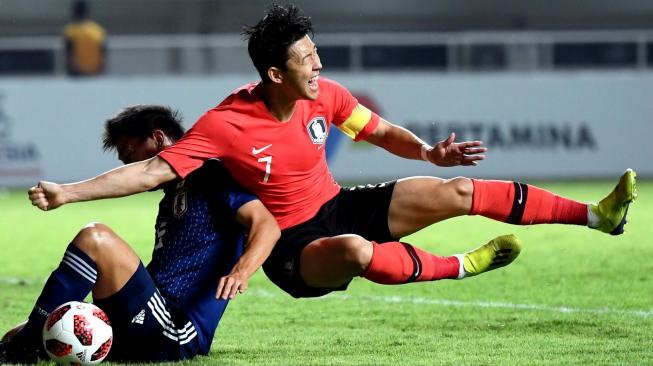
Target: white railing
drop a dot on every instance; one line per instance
(202, 54)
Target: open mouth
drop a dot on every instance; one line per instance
(312, 83)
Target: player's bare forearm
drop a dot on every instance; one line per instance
(260, 241)
(123, 181)
(397, 140)
(262, 235)
(406, 144)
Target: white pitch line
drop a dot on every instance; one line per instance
(475, 304)
(423, 300)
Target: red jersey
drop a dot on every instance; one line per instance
(283, 163)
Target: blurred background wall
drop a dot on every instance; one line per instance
(557, 89)
(202, 36)
(46, 17)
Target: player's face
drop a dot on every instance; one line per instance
(133, 149)
(303, 69)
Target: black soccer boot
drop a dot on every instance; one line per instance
(15, 352)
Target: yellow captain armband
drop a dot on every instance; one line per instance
(356, 122)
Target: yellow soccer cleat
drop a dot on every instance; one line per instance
(497, 253)
(609, 215)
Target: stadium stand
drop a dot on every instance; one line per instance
(199, 37)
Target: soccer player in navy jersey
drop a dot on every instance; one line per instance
(270, 134)
(211, 236)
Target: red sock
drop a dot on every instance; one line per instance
(530, 205)
(394, 263)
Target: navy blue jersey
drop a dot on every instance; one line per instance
(198, 240)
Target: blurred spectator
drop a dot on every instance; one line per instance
(85, 43)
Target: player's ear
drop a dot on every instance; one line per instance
(160, 138)
(275, 74)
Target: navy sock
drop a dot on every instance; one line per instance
(71, 281)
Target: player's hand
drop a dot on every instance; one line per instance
(230, 285)
(450, 153)
(46, 195)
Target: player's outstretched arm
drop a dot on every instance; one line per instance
(123, 181)
(263, 234)
(406, 144)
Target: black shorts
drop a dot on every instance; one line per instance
(361, 210)
(147, 327)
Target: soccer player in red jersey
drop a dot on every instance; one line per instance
(271, 136)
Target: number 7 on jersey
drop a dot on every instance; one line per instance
(267, 160)
(268, 166)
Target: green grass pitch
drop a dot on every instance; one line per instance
(574, 296)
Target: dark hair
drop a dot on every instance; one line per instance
(140, 121)
(270, 39)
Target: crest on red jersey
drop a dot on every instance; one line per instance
(317, 130)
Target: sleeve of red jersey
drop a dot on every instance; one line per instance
(205, 140)
(352, 118)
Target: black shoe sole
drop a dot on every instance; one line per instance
(620, 228)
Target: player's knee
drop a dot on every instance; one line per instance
(357, 252)
(461, 186)
(94, 239)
